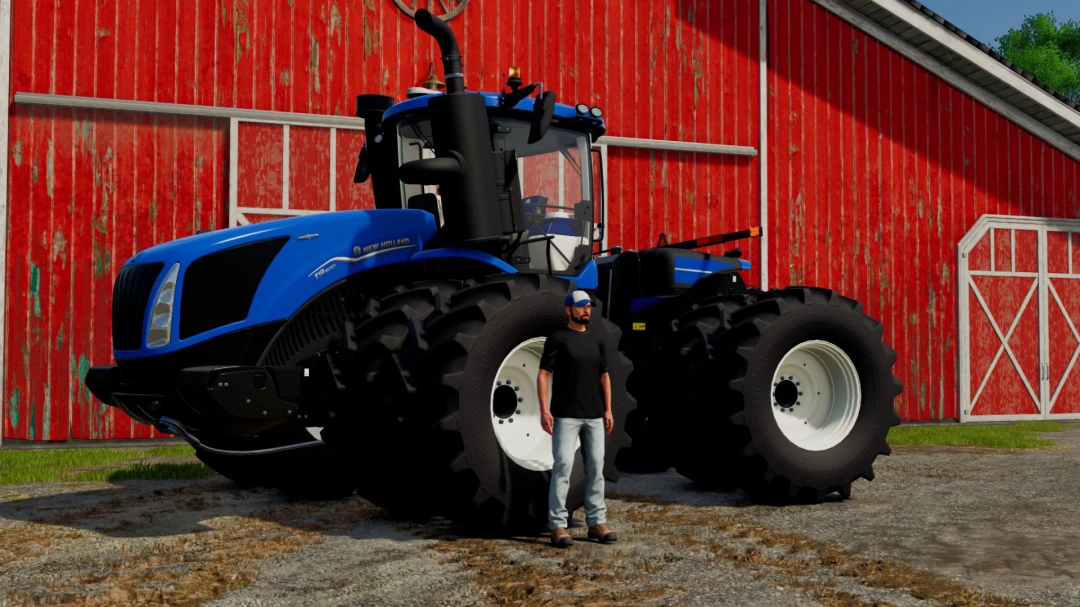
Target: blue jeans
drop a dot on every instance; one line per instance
(564, 441)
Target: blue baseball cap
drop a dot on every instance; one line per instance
(577, 298)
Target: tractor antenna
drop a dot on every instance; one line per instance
(539, 62)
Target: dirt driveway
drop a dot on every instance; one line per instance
(939, 526)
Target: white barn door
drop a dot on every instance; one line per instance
(1019, 318)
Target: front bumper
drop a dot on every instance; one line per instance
(241, 401)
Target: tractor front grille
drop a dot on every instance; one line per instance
(218, 288)
(131, 293)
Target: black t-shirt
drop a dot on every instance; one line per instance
(576, 361)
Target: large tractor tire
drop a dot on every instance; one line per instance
(791, 397)
(647, 453)
(477, 448)
(373, 387)
(309, 472)
(653, 448)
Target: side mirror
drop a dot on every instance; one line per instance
(363, 168)
(543, 112)
(433, 171)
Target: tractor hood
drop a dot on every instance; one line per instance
(218, 285)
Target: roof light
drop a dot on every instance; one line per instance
(596, 112)
(582, 108)
(514, 79)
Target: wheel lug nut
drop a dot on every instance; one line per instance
(511, 420)
(516, 388)
(518, 411)
(500, 421)
(508, 382)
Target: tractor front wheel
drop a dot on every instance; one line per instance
(369, 437)
(477, 445)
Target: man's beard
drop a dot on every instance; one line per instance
(584, 320)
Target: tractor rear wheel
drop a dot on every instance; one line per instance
(791, 397)
(653, 381)
(477, 446)
(372, 388)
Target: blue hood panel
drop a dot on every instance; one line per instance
(322, 249)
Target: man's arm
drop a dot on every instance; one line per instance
(609, 420)
(543, 382)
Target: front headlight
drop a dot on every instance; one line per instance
(161, 316)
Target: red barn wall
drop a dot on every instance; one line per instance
(877, 170)
(90, 188)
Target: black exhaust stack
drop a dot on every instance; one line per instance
(459, 125)
(453, 72)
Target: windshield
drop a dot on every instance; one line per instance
(555, 178)
(556, 194)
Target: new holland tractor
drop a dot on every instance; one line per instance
(395, 351)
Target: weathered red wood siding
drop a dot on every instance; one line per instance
(88, 189)
(877, 170)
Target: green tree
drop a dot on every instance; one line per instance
(1048, 50)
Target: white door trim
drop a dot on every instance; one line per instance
(5, 91)
(763, 144)
(237, 213)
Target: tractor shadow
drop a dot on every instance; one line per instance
(151, 509)
(155, 509)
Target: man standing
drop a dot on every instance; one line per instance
(580, 407)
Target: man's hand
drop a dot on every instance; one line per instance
(547, 422)
(609, 421)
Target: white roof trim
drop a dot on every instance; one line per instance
(956, 44)
(965, 49)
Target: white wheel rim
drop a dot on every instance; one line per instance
(816, 395)
(515, 408)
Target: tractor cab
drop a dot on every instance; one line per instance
(508, 176)
(547, 199)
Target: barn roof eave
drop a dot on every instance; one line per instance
(947, 51)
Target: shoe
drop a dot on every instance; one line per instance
(603, 534)
(560, 538)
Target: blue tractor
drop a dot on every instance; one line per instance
(395, 351)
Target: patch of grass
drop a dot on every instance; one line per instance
(96, 464)
(1022, 435)
(142, 471)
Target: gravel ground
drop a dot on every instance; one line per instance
(939, 526)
